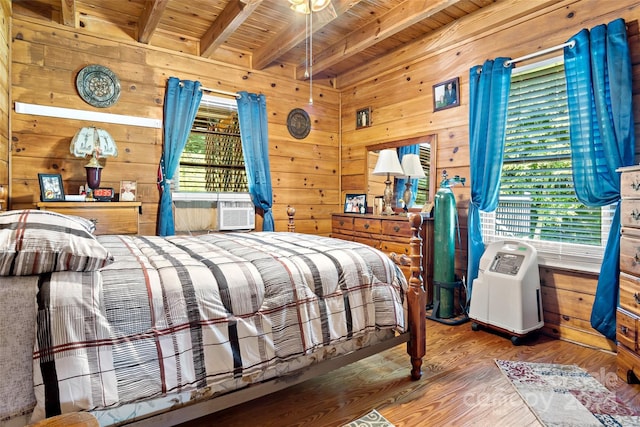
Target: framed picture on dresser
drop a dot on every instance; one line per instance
(355, 203)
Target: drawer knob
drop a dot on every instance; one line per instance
(635, 185)
(396, 228)
(94, 220)
(341, 223)
(636, 297)
(624, 330)
(635, 214)
(366, 226)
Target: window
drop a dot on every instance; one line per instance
(212, 160)
(422, 194)
(537, 202)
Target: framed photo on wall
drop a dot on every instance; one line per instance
(446, 94)
(363, 118)
(128, 191)
(355, 203)
(51, 189)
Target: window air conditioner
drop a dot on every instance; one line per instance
(235, 215)
(213, 211)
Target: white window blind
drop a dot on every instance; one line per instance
(537, 202)
(212, 160)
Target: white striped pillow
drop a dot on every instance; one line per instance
(35, 242)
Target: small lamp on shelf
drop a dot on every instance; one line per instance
(389, 165)
(412, 170)
(97, 143)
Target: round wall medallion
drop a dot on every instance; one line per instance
(98, 86)
(298, 123)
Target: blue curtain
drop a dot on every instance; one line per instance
(489, 87)
(598, 73)
(400, 182)
(181, 101)
(252, 116)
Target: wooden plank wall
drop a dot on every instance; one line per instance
(401, 99)
(46, 58)
(5, 93)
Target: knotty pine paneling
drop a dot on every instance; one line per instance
(305, 173)
(5, 91)
(399, 90)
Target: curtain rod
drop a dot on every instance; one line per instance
(540, 53)
(218, 91)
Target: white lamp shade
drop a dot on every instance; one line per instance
(412, 167)
(388, 163)
(92, 141)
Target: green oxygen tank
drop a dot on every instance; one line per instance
(445, 214)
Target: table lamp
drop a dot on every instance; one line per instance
(412, 170)
(97, 143)
(388, 164)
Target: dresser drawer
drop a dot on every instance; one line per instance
(627, 329)
(630, 294)
(630, 184)
(396, 230)
(367, 225)
(342, 222)
(629, 253)
(396, 247)
(628, 364)
(630, 213)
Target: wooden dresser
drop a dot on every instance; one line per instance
(109, 217)
(389, 234)
(628, 314)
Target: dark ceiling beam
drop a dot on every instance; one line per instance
(150, 18)
(69, 15)
(233, 15)
(295, 33)
(397, 19)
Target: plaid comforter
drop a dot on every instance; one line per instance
(180, 313)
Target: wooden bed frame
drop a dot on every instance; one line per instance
(415, 339)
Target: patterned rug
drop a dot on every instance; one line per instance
(372, 419)
(563, 395)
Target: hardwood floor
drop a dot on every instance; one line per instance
(460, 386)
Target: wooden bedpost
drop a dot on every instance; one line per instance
(417, 301)
(291, 226)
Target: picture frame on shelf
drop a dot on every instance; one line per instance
(446, 94)
(128, 191)
(363, 118)
(51, 188)
(355, 203)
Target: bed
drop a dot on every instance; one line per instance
(158, 331)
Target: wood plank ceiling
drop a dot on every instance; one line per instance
(346, 35)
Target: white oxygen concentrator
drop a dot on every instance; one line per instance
(506, 295)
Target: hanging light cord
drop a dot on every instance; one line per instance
(310, 60)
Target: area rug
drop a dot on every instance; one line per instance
(566, 395)
(372, 419)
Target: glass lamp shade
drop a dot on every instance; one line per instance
(308, 6)
(95, 142)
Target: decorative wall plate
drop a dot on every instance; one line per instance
(298, 123)
(98, 86)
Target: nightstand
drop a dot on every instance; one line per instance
(109, 217)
